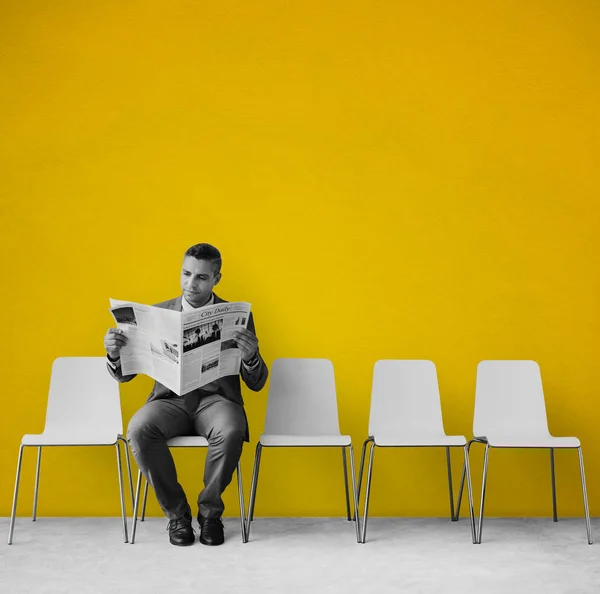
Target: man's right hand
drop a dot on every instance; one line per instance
(114, 340)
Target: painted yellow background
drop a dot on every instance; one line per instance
(384, 179)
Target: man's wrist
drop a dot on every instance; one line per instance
(252, 361)
(111, 358)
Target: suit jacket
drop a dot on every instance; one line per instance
(229, 386)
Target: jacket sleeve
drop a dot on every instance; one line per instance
(255, 377)
(117, 372)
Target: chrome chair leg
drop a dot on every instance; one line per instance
(462, 482)
(15, 496)
(136, 501)
(253, 487)
(242, 503)
(362, 465)
(553, 476)
(368, 493)
(585, 499)
(460, 492)
(37, 484)
(354, 493)
(144, 502)
(448, 463)
(128, 461)
(346, 484)
(123, 508)
(470, 493)
(485, 470)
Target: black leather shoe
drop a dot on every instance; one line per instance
(181, 532)
(211, 530)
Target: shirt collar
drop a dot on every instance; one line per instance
(185, 306)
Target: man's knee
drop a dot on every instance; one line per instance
(227, 437)
(141, 429)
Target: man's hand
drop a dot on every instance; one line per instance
(114, 340)
(247, 343)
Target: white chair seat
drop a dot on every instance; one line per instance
(419, 440)
(305, 440)
(68, 438)
(188, 441)
(532, 441)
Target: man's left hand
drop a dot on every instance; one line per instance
(247, 343)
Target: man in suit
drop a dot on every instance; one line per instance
(215, 411)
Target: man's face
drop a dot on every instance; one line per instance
(198, 280)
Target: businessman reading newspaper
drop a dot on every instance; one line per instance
(214, 410)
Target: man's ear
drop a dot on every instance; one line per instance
(217, 278)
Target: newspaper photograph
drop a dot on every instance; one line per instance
(181, 350)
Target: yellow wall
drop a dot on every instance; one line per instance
(384, 179)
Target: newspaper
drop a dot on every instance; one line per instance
(181, 350)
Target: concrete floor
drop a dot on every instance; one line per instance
(290, 555)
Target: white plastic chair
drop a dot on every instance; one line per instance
(302, 412)
(83, 409)
(510, 412)
(187, 441)
(406, 412)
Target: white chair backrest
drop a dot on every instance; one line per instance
(302, 398)
(405, 398)
(83, 396)
(509, 399)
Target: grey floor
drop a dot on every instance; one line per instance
(289, 555)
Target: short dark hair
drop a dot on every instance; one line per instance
(205, 251)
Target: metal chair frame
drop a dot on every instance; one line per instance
(350, 516)
(483, 441)
(406, 412)
(453, 517)
(510, 413)
(37, 482)
(302, 412)
(66, 372)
